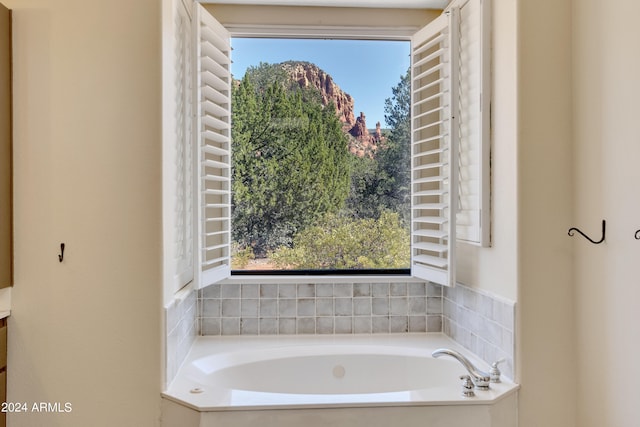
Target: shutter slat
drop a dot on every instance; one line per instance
(431, 260)
(431, 247)
(210, 79)
(212, 149)
(215, 137)
(436, 234)
(429, 220)
(216, 164)
(432, 206)
(213, 107)
(436, 178)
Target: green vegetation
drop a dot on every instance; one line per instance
(290, 164)
(299, 197)
(338, 242)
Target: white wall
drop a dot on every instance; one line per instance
(606, 85)
(87, 161)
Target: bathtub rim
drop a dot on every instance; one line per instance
(176, 392)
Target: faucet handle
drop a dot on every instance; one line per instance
(494, 372)
(467, 386)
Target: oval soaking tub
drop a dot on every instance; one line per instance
(353, 380)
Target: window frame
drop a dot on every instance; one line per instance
(335, 32)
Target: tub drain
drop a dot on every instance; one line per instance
(196, 390)
(339, 371)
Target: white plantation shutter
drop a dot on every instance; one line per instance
(434, 158)
(183, 218)
(213, 124)
(473, 217)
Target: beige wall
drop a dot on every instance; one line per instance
(606, 85)
(546, 351)
(87, 172)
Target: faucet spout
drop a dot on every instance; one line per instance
(480, 378)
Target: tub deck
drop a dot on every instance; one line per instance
(317, 371)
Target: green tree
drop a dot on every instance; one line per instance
(395, 158)
(291, 163)
(383, 183)
(339, 242)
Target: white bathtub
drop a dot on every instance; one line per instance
(343, 380)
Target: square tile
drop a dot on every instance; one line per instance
(249, 290)
(362, 306)
(268, 326)
(230, 308)
(380, 289)
(398, 324)
(306, 307)
(343, 290)
(211, 308)
(343, 325)
(362, 325)
(287, 326)
(324, 325)
(229, 290)
(343, 306)
(268, 307)
(398, 306)
(324, 290)
(398, 289)
(269, 290)
(380, 306)
(306, 325)
(287, 307)
(417, 323)
(361, 289)
(417, 289)
(249, 326)
(249, 307)
(380, 324)
(324, 307)
(287, 290)
(306, 290)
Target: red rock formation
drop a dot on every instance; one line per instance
(361, 142)
(310, 75)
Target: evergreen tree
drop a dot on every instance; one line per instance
(291, 164)
(382, 184)
(395, 158)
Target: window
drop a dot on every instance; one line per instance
(443, 96)
(320, 187)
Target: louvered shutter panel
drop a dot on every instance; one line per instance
(213, 124)
(473, 217)
(184, 148)
(434, 159)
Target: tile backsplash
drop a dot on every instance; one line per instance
(482, 323)
(479, 321)
(181, 329)
(320, 308)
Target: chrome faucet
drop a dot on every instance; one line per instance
(480, 379)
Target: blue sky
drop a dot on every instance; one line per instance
(366, 70)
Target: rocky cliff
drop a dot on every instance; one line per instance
(308, 75)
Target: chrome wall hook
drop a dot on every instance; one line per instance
(61, 256)
(573, 229)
